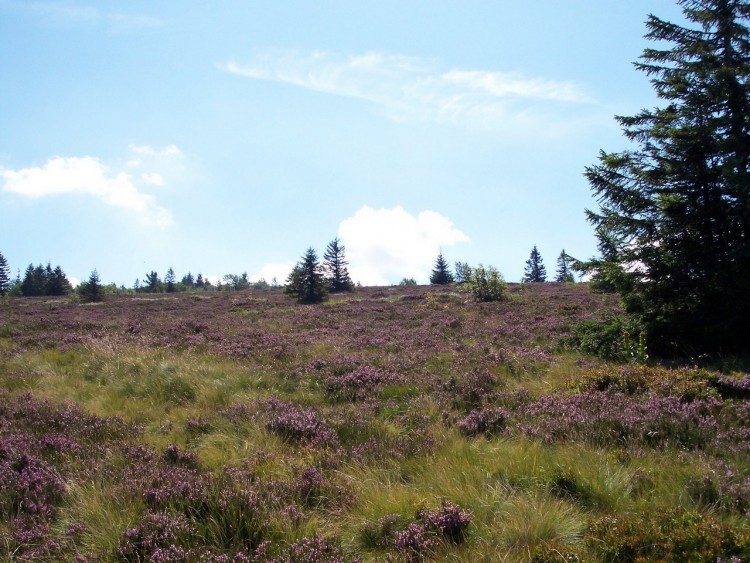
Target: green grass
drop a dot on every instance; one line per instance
(526, 497)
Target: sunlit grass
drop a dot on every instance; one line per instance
(394, 449)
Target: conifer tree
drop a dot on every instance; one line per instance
(306, 282)
(33, 283)
(170, 280)
(152, 283)
(188, 282)
(564, 273)
(91, 290)
(57, 282)
(535, 270)
(334, 263)
(4, 275)
(441, 274)
(674, 212)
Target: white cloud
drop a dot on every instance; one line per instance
(67, 14)
(88, 175)
(410, 88)
(146, 150)
(152, 178)
(384, 246)
(274, 270)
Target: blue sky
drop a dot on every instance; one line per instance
(227, 137)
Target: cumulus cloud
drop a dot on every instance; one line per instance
(278, 271)
(88, 175)
(384, 246)
(407, 87)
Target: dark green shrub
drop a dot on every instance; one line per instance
(667, 535)
(486, 284)
(613, 338)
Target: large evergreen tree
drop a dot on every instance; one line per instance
(4, 275)
(564, 273)
(334, 263)
(306, 282)
(91, 290)
(152, 283)
(34, 281)
(535, 270)
(441, 274)
(674, 212)
(57, 282)
(170, 280)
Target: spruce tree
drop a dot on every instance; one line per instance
(334, 263)
(306, 282)
(57, 282)
(33, 283)
(441, 274)
(535, 270)
(170, 280)
(674, 212)
(152, 283)
(4, 275)
(564, 273)
(188, 282)
(91, 290)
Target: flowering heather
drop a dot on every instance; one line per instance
(159, 536)
(358, 384)
(298, 424)
(313, 550)
(238, 423)
(413, 540)
(483, 421)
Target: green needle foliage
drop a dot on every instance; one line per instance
(535, 270)
(674, 213)
(306, 282)
(441, 274)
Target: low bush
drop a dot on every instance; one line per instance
(612, 338)
(667, 535)
(486, 284)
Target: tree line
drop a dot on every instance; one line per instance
(310, 280)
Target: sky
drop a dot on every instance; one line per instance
(228, 137)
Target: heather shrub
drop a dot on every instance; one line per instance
(733, 387)
(412, 540)
(234, 519)
(686, 383)
(358, 384)
(667, 535)
(470, 390)
(173, 455)
(483, 421)
(298, 424)
(313, 549)
(28, 486)
(158, 536)
(378, 536)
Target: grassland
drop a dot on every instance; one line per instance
(401, 424)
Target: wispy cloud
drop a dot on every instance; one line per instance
(386, 245)
(406, 88)
(71, 14)
(88, 175)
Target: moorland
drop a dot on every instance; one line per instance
(386, 424)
